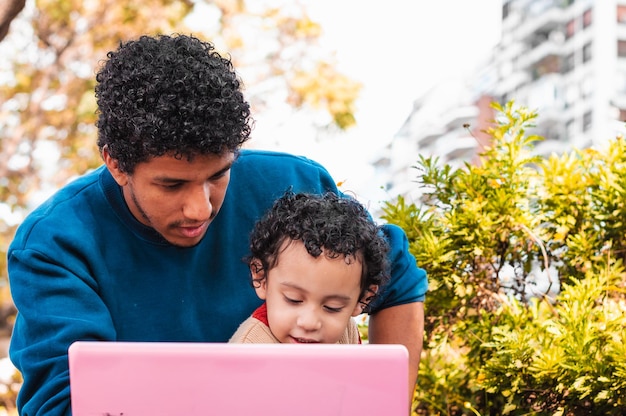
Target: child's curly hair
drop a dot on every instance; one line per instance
(334, 225)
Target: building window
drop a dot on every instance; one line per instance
(572, 95)
(506, 9)
(553, 134)
(587, 121)
(587, 17)
(570, 29)
(551, 64)
(621, 14)
(587, 52)
(586, 87)
(568, 63)
(570, 128)
(621, 48)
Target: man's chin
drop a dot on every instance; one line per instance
(184, 242)
(186, 236)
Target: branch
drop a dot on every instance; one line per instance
(9, 9)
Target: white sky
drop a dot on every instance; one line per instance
(397, 49)
(400, 48)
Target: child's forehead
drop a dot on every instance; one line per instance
(295, 264)
(298, 247)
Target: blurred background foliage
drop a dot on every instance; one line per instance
(526, 310)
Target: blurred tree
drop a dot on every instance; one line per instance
(273, 45)
(47, 78)
(9, 9)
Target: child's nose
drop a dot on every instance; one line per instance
(309, 321)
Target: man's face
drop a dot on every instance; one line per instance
(176, 197)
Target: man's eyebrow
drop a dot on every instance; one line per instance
(167, 179)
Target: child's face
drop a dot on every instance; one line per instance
(310, 300)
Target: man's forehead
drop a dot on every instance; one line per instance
(170, 166)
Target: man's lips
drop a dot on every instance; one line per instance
(193, 231)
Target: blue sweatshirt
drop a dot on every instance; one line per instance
(81, 267)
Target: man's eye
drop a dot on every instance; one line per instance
(172, 186)
(218, 175)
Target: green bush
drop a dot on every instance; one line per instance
(526, 310)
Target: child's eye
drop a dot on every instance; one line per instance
(333, 310)
(295, 301)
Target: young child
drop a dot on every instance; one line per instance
(316, 261)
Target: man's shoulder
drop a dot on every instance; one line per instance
(275, 172)
(258, 157)
(63, 205)
(73, 189)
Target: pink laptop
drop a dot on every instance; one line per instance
(192, 379)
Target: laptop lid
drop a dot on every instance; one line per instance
(149, 378)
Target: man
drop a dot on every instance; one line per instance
(136, 250)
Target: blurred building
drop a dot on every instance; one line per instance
(564, 58)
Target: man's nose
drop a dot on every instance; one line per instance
(198, 205)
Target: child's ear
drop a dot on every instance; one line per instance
(259, 278)
(365, 300)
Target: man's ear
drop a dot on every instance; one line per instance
(365, 300)
(114, 167)
(259, 278)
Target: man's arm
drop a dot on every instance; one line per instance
(402, 324)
